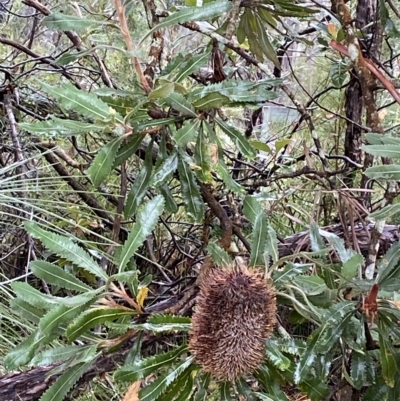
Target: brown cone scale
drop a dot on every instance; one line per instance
(235, 314)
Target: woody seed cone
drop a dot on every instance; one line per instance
(235, 314)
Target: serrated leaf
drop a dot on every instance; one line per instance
(166, 169)
(351, 267)
(311, 285)
(162, 91)
(23, 353)
(192, 65)
(276, 357)
(160, 318)
(190, 192)
(339, 246)
(203, 383)
(251, 207)
(55, 275)
(64, 353)
(358, 369)
(211, 101)
(156, 388)
(227, 178)
(389, 267)
(88, 104)
(65, 22)
(179, 103)
(162, 327)
(140, 186)
(272, 244)
(206, 12)
(202, 158)
(384, 213)
(57, 127)
(392, 151)
(218, 255)
(58, 390)
(127, 150)
(259, 240)
(265, 43)
(58, 316)
(289, 273)
(64, 247)
(386, 172)
(146, 220)
(187, 133)
(26, 311)
(225, 392)
(102, 165)
(387, 360)
(170, 204)
(93, 318)
(142, 368)
(33, 296)
(379, 139)
(238, 139)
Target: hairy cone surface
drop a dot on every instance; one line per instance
(235, 314)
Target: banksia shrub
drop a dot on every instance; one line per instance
(235, 314)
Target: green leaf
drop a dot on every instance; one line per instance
(162, 327)
(55, 275)
(160, 318)
(26, 311)
(140, 186)
(211, 101)
(158, 386)
(351, 267)
(387, 360)
(23, 353)
(311, 285)
(64, 353)
(202, 158)
(251, 207)
(276, 357)
(143, 368)
(190, 192)
(179, 103)
(57, 127)
(93, 318)
(58, 390)
(386, 172)
(33, 296)
(358, 369)
(225, 392)
(260, 146)
(64, 247)
(146, 220)
(170, 204)
(128, 149)
(289, 273)
(385, 213)
(166, 169)
(102, 164)
(259, 240)
(339, 246)
(187, 133)
(219, 256)
(265, 44)
(64, 22)
(227, 178)
(238, 139)
(192, 65)
(202, 386)
(59, 315)
(379, 139)
(390, 266)
(272, 244)
(338, 73)
(392, 151)
(206, 12)
(88, 104)
(162, 91)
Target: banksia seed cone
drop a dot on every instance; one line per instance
(235, 314)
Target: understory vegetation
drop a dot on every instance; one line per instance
(147, 145)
